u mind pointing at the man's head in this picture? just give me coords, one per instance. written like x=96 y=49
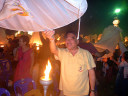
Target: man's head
x=71 y=41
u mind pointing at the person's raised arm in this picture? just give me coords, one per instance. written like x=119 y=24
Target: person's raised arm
x=53 y=47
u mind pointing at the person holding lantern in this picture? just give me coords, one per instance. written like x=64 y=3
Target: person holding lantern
x=77 y=66
x=91 y=48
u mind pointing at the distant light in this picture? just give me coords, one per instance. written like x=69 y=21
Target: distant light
x=30 y=32
x=2 y=46
x=117 y=10
x=17 y=33
x=37 y=48
x=116 y=22
x=58 y=38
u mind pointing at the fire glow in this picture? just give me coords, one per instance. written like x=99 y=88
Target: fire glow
x=47 y=72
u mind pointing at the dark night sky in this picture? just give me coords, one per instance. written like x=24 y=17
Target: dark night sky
x=100 y=14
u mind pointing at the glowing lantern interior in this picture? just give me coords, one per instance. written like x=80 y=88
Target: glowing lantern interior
x=35 y=39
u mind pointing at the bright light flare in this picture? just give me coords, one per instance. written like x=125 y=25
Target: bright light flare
x=2 y=46
x=30 y=32
x=37 y=48
x=58 y=38
x=117 y=10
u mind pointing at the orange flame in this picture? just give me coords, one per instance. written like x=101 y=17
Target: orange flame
x=47 y=71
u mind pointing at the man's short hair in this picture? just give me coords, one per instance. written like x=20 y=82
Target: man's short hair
x=72 y=32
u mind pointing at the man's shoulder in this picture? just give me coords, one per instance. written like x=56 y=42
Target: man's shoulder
x=84 y=50
x=62 y=49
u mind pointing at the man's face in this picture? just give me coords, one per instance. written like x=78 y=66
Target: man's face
x=71 y=41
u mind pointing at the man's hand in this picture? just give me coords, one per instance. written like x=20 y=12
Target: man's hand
x=92 y=93
x=49 y=34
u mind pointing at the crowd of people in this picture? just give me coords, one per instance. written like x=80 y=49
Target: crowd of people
x=75 y=68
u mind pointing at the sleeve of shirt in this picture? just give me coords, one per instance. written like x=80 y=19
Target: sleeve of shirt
x=60 y=52
x=91 y=64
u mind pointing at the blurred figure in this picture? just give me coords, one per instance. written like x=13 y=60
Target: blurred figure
x=15 y=46
x=35 y=71
x=90 y=47
x=5 y=69
x=122 y=76
x=25 y=58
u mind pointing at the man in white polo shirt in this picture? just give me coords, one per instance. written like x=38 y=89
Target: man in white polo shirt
x=77 y=66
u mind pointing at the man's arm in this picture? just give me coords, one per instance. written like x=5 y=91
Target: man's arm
x=92 y=80
x=53 y=47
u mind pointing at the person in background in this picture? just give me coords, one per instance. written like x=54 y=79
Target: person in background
x=77 y=66
x=15 y=46
x=25 y=58
x=5 y=70
x=121 y=87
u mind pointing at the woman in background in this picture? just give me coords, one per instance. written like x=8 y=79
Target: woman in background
x=25 y=58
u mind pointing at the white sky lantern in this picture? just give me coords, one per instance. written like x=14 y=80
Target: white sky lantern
x=34 y=16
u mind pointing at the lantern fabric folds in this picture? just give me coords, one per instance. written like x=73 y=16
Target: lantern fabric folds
x=39 y=15
x=110 y=38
